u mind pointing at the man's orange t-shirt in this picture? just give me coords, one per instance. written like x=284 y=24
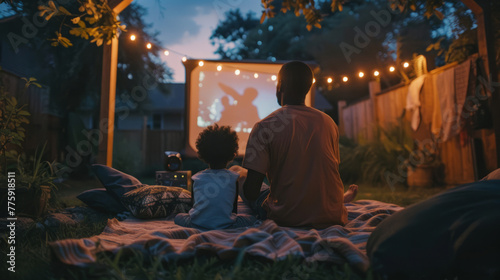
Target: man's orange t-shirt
x=297 y=147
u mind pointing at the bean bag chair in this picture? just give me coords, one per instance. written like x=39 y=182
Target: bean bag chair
x=453 y=235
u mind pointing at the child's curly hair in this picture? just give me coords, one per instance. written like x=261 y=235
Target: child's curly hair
x=217 y=145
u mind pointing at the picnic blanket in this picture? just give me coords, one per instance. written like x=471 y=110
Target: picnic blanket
x=161 y=237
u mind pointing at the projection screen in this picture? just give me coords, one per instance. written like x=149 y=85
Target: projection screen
x=238 y=94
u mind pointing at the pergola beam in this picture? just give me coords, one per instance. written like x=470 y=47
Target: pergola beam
x=108 y=92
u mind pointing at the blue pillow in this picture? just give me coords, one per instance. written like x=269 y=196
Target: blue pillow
x=116 y=182
x=453 y=235
x=101 y=200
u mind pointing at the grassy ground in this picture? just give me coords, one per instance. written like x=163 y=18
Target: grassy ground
x=34 y=259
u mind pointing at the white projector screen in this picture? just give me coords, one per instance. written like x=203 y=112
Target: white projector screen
x=216 y=94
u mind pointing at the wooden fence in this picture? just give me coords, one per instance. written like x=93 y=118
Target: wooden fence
x=152 y=143
x=461 y=156
x=43 y=127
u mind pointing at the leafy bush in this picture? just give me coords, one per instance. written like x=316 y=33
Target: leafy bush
x=371 y=161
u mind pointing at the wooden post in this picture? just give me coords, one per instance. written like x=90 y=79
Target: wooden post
x=144 y=138
x=108 y=91
x=374 y=88
x=486 y=46
x=341 y=104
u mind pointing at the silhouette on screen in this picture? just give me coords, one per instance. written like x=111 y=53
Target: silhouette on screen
x=242 y=113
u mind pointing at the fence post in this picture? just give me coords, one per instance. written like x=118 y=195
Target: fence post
x=374 y=87
x=341 y=104
x=144 y=138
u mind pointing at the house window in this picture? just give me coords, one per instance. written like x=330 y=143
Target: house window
x=156 y=121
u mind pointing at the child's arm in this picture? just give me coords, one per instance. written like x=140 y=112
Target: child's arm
x=235 y=205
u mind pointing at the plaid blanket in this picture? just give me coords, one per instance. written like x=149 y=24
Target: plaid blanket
x=163 y=238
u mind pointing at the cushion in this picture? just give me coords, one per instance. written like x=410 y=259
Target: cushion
x=494 y=175
x=453 y=235
x=101 y=200
x=150 y=202
x=116 y=182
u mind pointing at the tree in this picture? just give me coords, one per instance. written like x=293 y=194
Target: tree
x=73 y=72
x=231 y=33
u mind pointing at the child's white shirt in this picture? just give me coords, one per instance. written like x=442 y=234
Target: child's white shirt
x=214 y=193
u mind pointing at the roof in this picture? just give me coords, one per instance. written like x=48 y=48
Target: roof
x=172 y=101
x=321 y=103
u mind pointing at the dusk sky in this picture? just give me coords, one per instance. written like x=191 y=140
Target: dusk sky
x=186 y=26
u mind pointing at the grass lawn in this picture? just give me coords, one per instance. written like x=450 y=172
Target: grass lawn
x=33 y=257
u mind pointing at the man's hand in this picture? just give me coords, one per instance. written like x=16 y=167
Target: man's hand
x=252 y=185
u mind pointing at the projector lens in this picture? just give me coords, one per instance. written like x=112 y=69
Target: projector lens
x=173 y=161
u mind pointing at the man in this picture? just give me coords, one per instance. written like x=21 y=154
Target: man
x=297 y=147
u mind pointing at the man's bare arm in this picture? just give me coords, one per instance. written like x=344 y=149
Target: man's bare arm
x=253 y=182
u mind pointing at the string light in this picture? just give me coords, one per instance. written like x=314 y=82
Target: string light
x=329 y=80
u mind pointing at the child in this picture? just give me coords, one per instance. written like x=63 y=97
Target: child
x=215 y=189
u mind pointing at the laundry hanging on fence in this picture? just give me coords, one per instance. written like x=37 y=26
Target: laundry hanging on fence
x=445 y=89
x=462 y=74
x=413 y=101
x=450 y=91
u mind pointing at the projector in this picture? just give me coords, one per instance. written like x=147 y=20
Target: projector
x=173 y=161
x=172 y=176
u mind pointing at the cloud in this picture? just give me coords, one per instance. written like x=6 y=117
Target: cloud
x=176 y=19
x=186 y=26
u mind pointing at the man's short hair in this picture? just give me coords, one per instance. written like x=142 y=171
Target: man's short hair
x=296 y=77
